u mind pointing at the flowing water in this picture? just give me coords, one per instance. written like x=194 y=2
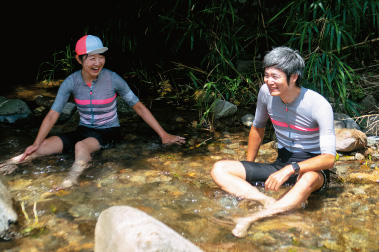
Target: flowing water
x=173 y=184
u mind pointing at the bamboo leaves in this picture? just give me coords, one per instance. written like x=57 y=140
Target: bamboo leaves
x=324 y=31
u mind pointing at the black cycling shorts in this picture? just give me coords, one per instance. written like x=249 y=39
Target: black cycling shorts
x=258 y=173
x=106 y=137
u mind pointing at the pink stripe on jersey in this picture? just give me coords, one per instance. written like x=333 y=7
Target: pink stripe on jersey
x=282 y=124
x=303 y=128
x=97 y=102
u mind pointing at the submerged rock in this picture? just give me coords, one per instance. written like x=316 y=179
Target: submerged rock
x=7 y=214
x=371 y=177
x=124 y=228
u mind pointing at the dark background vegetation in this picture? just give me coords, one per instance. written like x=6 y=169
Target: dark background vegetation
x=199 y=44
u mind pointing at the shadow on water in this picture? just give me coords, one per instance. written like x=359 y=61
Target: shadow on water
x=173 y=184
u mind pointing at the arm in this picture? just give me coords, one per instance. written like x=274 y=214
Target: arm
x=255 y=139
x=258 y=129
x=45 y=128
x=146 y=115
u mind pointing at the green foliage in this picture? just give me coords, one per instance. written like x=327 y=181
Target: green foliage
x=61 y=63
x=210 y=38
x=215 y=31
x=214 y=23
x=327 y=32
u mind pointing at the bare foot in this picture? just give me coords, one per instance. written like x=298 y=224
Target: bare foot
x=242 y=225
x=66 y=184
x=72 y=179
x=254 y=194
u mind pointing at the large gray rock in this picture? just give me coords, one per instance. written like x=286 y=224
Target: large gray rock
x=12 y=110
x=348 y=140
x=342 y=121
x=124 y=228
x=7 y=214
x=224 y=109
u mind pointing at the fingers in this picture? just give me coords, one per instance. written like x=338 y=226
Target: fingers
x=180 y=140
x=273 y=183
x=276 y=180
x=23 y=157
x=171 y=139
x=28 y=151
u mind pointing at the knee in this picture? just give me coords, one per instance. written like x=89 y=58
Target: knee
x=219 y=172
x=217 y=169
x=80 y=147
x=44 y=146
x=311 y=181
x=49 y=146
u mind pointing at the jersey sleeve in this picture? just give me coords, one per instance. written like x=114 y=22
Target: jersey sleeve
x=325 y=119
x=124 y=90
x=63 y=94
x=261 y=113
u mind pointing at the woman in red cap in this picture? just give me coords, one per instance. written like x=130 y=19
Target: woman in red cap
x=94 y=89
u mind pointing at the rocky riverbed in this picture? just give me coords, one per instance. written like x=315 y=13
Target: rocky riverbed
x=173 y=184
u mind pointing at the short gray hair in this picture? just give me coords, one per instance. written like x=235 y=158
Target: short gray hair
x=287 y=60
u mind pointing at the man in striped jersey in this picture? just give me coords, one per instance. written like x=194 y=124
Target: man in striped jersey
x=95 y=90
x=303 y=123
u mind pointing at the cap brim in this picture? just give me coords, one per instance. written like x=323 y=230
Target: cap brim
x=98 y=51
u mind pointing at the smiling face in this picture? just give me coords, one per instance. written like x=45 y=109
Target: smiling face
x=92 y=65
x=277 y=83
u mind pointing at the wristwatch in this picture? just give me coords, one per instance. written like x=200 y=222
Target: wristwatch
x=296 y=167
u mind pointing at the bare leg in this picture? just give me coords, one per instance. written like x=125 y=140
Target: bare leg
x=83 y=151
x=294 y=198
x=231 y=177
x=49 y=146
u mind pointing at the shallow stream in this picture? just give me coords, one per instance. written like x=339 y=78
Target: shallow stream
x=173 y=184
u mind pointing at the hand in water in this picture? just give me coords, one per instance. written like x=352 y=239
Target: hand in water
x=171 y=139
x=29 y=151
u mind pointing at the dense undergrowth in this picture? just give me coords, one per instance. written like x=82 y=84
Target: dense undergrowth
x=215 y=47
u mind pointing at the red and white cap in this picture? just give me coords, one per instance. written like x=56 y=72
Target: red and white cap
x=89 y=44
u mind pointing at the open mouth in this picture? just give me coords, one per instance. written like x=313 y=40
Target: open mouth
x=273 y=89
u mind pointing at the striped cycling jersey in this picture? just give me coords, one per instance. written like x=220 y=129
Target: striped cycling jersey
x=304 y=125
x=96 y=103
